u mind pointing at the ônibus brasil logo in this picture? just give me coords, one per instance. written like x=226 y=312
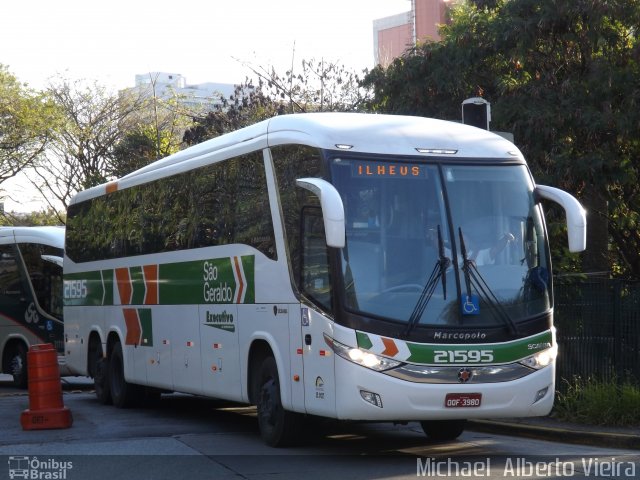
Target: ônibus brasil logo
x=38 y=468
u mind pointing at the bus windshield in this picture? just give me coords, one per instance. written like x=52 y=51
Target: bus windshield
x=440 y=245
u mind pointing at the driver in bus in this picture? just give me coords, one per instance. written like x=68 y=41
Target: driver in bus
x=487 y=256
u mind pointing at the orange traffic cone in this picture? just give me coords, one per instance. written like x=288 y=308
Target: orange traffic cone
x=46 y=410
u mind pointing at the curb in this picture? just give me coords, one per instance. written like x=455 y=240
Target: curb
x=580 y=437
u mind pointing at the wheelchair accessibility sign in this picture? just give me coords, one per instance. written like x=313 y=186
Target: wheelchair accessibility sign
x=470 y=304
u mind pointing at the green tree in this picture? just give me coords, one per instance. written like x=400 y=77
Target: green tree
x=140 y=146
x=317 y=86
x=80 y=154
x=564 y=77
x=28 y=121
x=156 y=128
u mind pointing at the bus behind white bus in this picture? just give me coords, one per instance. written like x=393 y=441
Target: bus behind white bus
x=350 y=266
x=30 y=295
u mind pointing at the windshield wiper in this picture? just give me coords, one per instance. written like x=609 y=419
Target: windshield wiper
x=472 y=275
x=439 y=273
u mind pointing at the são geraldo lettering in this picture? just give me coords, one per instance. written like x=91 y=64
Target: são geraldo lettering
x=212 y=292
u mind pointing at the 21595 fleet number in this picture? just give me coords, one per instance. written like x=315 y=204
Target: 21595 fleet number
x=463 y=356
x=75 y=289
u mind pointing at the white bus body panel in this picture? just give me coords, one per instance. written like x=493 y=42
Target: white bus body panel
x=404 y=400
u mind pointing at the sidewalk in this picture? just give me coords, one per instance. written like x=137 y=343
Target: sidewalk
x=548 y=428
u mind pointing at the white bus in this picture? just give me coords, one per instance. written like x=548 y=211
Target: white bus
x=30 y=295
x=350 y=266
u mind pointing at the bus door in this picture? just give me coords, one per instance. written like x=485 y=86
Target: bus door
x=16 y=303
x=39 y=314
x=318 y=358
x=44 y=274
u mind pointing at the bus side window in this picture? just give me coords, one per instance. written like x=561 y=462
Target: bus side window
x=46 y=278
x=315 y=261
x=10 y=281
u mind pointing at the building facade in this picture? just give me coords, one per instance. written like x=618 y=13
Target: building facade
x=393 y=35
x=173 y=85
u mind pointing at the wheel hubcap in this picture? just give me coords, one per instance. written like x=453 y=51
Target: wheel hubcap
x=17 y=366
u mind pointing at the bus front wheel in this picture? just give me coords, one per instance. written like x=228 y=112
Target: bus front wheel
x=278 y=427
x=18 y=365
x=443 y=430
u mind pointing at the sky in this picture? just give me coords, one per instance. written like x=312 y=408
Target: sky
x=205 y=41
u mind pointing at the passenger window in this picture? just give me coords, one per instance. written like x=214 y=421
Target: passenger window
x=11 y=288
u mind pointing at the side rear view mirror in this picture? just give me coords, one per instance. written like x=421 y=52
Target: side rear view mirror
x=332 y=209
x=576 y=215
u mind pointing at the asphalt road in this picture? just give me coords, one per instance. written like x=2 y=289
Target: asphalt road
x=189 y=437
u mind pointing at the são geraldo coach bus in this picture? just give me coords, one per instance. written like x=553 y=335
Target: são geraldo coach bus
x=351 y=266
x=30 y=295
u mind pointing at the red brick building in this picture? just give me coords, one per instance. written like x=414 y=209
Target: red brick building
x=393 y=35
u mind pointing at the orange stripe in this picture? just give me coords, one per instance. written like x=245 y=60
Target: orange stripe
x=134 y=332
x=112 y=187
x=239 y=275
x=390 y=347
x=124 y=285
x=151 y=282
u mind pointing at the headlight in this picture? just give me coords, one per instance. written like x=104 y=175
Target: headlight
x=361 y=357
x=541 y=359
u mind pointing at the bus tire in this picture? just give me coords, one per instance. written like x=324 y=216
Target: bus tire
x=443 y=430
x=101 y=380
x=123 y=393
x=18 y=365
x=278 y=427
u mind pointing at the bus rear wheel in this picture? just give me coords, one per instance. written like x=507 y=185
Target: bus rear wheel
x=98 y=369
x=123 y=393
x=101 y=381
x=278 y=427
x=443 y=430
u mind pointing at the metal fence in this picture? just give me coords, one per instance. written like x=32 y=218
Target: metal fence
x=598 y=325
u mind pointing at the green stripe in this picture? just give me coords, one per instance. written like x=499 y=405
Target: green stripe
x=507 y=352
x=364 y=341
x=83 y=289
x=107 y=279
x=185 y=283
x=248 y=264
x=472 y=354
x=147 y=327
x=137 y=283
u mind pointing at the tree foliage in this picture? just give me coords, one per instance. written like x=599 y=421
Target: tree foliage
x=79 y=156
x=104 y=135
x=317 y=86
x=155 y=128
x=45 y=217
x=140 y=146
x=564 y=77
x=28 y=121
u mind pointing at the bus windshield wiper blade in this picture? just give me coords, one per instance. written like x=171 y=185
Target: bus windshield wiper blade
x=472 y=276
x=438 y=273
x=443 y=262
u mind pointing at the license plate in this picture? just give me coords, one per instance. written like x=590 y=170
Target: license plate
x=462 y=400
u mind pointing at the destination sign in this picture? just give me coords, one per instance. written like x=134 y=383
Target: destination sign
x=385 y=169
